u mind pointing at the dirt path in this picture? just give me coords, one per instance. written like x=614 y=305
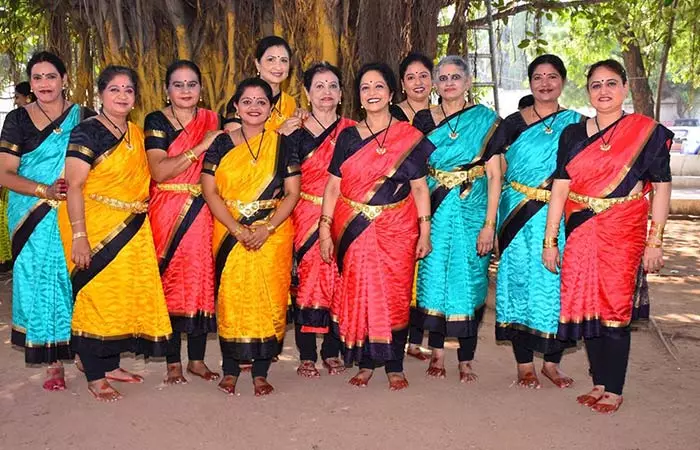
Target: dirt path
x=660 y=410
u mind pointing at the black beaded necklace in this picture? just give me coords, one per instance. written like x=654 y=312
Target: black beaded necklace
x=381 y=149
x=125 y=134
x=547 y=128
x=255 y=156
x=56 y=128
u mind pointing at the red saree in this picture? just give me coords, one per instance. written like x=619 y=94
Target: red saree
x=182 y=232
x=605 y=243
x=376 y=254
x=316 y=279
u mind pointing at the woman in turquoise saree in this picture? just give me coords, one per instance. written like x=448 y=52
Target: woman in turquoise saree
x=32 y=153
x=465 y=183
x=527 y=294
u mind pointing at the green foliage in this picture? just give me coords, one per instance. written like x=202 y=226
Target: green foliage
x=21 y=25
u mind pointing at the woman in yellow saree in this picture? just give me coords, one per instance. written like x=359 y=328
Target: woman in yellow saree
x=251 y=185
x=119 y=302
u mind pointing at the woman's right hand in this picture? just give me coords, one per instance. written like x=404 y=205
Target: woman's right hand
x=326 y=246
x=57 y=191
x=80 y=253
x=551 y=259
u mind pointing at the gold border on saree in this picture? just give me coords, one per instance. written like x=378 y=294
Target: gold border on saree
x=599 y=205
x=249 y=209
x=451 y=179
x=14 y=148
x=316 y=200
x=537 y=194
x=132 y=207
x=194 y=190
x=371 y=212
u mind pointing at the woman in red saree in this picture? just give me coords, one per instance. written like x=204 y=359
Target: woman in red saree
x=376 y=209
x=314 y=280
x=606 y=166
x=176 y=138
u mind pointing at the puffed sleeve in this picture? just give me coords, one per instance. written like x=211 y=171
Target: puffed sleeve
x=505 y=134
x=11 y=139
x=86 y=113
x=565 y=145
x=81 y=143
x=423 y=120
x=291 y=156
x=657 y=156
x=221 y=145
x=339 y=153
x=155 y=132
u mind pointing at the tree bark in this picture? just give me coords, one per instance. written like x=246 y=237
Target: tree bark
x=664 y=60
x=642 y=96
x=458 y=28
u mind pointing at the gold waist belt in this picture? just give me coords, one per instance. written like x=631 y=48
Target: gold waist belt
x=371 y=212
x=312 y=198
x=451 y=179
x=540 y=195
x=132 y=207
x=248 y=210
x=193 y=189
x=598 y=205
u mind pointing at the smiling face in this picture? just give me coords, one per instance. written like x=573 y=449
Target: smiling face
x=452 y=82
x=119 y=96
x=416 y=82
x=374 y=92
x=274 y=65
x=46 y=82
x=253 y=107
x=606 y=90
x=546 y=83
x=325 y=91
x=184 y=89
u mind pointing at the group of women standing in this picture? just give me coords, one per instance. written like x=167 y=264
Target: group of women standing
x=201 y=224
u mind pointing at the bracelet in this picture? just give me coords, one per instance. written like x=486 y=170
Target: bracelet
x=40 y=190
x=270 y=228
x=325 y=219
x=653 y=245
x=79 y=234
x=656 y=230
x=78 y=221
x=550 y=242
x=427 y=218
x=189 y=154
x=488 y=223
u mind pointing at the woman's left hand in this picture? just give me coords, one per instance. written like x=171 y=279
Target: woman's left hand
x=484 y=243
x=653 y=259
x=259 y=235
x=423 y=247
x=302 y=114
x=290 y=126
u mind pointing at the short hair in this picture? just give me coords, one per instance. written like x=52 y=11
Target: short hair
x=383 y=69
x=111 y=71
x=458 y=61
x=610 y=64
x=182 y=64
x=414 y=57
x=271 y=41
x=554 y=60
x=525 y=101
x=321 y=67
x=23 y=88
x=248 y=83
x=48 y=57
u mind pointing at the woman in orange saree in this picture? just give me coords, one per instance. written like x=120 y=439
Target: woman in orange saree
x=176 y=138
x=605 y=168
x=376 y=213
x=313 y=281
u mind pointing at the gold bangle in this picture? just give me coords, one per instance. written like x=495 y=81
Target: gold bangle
x=656 y=231
x=427 y=218
x=78 y=221
x=653 y=245
x=79 y=234
x=550 y=242
x=189 y=154
x=40 y=190
x=270 y=228
x=488 y=223
x=325 y=219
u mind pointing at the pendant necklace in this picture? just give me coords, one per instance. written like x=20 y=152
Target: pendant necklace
x=325 y=127
x=172 y=111
x=126 y=135
x=547 y=128
x=453 y=131
x=57 y=129
x=381 y=149
x=605 y=146
x=255 y=156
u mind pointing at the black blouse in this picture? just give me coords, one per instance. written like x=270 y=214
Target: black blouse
x=90 y=139
x=160 y=132
x=398 y=113
x=21 y=136
x=302 y=142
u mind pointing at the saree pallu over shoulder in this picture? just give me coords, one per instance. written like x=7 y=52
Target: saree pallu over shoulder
x=119 y=301
x=281 y=111
x=182 y=232
x=314 y=282
x=452 y=280
x=252 y=287
x=375 y=229
x=527 y=294
x=606 y=232
x=41 y=291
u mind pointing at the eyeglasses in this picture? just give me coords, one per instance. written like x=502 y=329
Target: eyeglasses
x=181 y=86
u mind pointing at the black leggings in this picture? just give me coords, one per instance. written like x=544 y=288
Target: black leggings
x=196 y=346
x=608 y=357
x=523 y=355
x=467 y=345
x=261 y=367
x=306 y=343
x=398 y=344
x=96 y=367
x=415 y=335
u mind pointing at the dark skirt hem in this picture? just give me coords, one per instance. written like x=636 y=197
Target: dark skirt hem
x=201 y=323
x=468 y=327
x=104 y=348
x=44 y=354
x=379 y=352
x=312 y=317
x=247 y=351
x=589 y=329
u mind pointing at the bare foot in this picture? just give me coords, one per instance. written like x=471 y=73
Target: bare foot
x=227 y=384
x=307 y=369
x=556 y=376
x=124 y=376
x=591 y=397
x=55 y=379
x=527 y=378
x=418 y=352
x=397 y=381
x=335 y=366
x=466 y=374
x=103 y=391
x=361 y=378
x=199 y=369
x=262 y=387
x=436 y=369
x=174 y=375
x=608 y=403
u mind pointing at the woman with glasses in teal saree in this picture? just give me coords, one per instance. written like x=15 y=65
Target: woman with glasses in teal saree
x=465 y=184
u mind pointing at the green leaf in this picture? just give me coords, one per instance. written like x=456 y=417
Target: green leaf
x=549 y=15
x=542 y=42
x=524 y=43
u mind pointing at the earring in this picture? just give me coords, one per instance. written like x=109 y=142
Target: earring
x=167 y=100
x=362 y=106
x=391 y=102
x=340 y=102
x=258 y=74
x=403 y=91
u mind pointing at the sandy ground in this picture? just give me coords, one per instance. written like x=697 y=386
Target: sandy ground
x=660 y=409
